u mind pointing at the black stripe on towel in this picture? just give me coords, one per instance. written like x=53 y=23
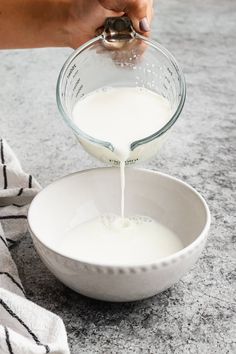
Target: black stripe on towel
x=13 y=281
x=20 y=192
x=5 y=176
x=11 y=241
x=33 y=335
x=30 y=181
x=8 y=341
x=2 y=153
x=6 y=217
x=4 y=241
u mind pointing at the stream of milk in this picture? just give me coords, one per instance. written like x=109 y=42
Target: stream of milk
x=121 y=116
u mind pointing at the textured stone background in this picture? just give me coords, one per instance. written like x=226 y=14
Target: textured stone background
x=197 y=315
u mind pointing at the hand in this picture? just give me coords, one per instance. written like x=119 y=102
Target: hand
x=86 y=16
x=63 y=23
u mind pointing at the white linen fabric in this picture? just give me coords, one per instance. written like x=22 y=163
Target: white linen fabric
x=25 y=327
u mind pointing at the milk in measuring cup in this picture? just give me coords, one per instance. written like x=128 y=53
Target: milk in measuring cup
x=121 y=116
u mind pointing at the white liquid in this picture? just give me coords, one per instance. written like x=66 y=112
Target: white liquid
x=110 y=240
x=121 y=116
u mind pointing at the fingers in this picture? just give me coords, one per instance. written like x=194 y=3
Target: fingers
x=139 y=11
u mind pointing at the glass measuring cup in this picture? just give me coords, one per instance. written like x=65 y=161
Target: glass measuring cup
x=120 y=57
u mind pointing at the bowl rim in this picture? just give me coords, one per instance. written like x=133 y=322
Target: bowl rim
x=163 y=260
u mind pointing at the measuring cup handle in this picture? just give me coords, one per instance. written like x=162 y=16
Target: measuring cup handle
x=118 y=29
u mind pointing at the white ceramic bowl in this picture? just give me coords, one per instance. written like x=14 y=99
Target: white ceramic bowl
x=172 y=202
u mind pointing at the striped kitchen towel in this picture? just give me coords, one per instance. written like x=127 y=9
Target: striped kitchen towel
x=25 y=328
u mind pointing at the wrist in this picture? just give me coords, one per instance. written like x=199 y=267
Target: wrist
x=54 y=24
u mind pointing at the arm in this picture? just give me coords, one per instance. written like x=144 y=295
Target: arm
x=33 y=23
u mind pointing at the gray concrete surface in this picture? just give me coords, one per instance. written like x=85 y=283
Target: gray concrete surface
x=197 y=315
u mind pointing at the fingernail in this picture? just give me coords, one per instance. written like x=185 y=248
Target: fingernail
x=144 y=25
